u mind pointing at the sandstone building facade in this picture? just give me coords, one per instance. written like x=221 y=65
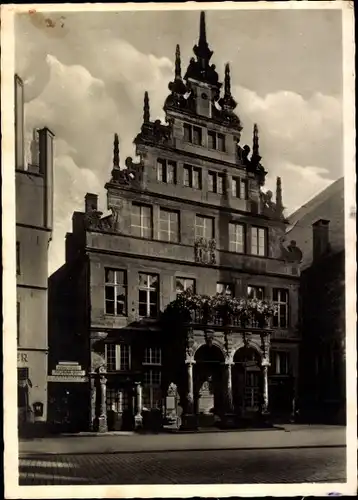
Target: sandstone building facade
x=189 y=215
x=34 y=216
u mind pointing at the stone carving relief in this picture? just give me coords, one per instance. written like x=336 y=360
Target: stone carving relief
x=172 y=390
x=97 y=361
x=205 y=251
x=111 y=223
x=280 y=249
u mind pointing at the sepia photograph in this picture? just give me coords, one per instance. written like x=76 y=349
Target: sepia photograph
x=179 y=249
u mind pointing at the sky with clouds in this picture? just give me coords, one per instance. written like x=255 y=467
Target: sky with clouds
x=85 y=75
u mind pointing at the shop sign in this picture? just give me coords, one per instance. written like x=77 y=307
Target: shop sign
x=67 y=372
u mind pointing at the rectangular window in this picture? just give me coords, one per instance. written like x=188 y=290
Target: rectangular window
x=196 y=178
x=221 y=184
x=239 y=188
x=212 y=182
x=221 y=142
x=225 y=289
x=280 y=298
x=115 y=292
x=152 y=356
x=255 y=292
x=142 y=224
x=280 y=362
x=184 y=285
x=187 y=176
x=258 y=241
x=197 y=136
x=188 y=133
x=152 y=377
x=169 y=225
x=18 y=322
x=211 y=140
x=243 y=189
x=118 y=357
x=216 y=182
x=152 y=394
x=204 y=227
x=166 y=171
x=110 y=356
x=18 y=267
x=148 y=295
x=192 y=177
x=236 y=237
x=117 y=400
x=216 y=141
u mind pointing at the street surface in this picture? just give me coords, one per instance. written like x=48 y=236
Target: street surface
x=296 y=454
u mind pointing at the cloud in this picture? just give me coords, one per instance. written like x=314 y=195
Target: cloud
x=82 y=111
x=300 y=140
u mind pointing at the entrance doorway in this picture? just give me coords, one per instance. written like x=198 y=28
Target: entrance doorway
x=209 y=392
x=246 y=380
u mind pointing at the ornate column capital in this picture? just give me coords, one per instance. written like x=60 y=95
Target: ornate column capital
x=190 y=361
x=265 y=363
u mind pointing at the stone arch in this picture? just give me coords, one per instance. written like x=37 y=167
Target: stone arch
x=208 y=380
x=214 y=343
x=247 y=377
x=239 y=345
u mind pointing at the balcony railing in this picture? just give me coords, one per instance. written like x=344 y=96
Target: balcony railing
x=200 y=317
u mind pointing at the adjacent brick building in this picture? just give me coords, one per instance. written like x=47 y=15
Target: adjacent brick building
x=191 y=214
x=34 y=216
x=319 y=229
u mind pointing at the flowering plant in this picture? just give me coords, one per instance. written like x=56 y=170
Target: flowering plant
x=188 y=306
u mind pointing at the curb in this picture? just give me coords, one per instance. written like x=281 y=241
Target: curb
x=185 y=450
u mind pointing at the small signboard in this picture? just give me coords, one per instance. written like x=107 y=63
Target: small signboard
x=68 y=371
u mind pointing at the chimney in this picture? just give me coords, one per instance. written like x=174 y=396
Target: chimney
x=320 y=238
x=46 y=169
x=91 y=202
x=19 y=124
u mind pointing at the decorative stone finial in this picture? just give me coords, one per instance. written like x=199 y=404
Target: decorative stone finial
x=146 y=109
x=177 y=63
x=228 y=103
x=279 y=204
x=227 y=80
x=116 y=152
x=202 y=51
x=255 y=142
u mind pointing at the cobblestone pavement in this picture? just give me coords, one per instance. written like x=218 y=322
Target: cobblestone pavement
x=290 y=465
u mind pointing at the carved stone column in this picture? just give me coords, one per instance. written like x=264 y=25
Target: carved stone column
x=228 y=366
x=190 y=397
x=229 y=420
x=138 y=419
x=188 y=418
x=265 y=394
x=92 y=423
x=102 y=419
